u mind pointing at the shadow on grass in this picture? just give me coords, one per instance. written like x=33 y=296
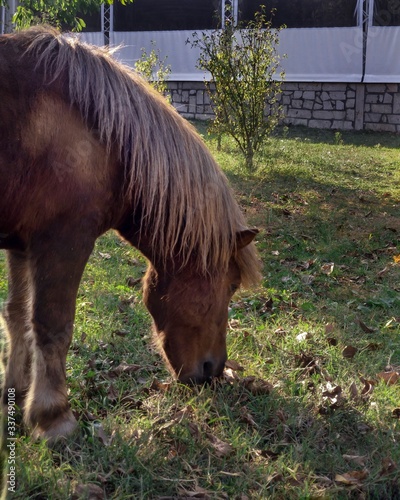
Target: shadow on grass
x=324 y=136
x=268 y=446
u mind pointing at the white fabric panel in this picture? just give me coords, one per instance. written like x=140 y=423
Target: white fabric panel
x=313 y=55
x=94 y=37
x=383 y=54
x=171 y=44
x=322 y=54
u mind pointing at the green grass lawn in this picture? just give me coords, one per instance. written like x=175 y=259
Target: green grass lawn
x=309 y=407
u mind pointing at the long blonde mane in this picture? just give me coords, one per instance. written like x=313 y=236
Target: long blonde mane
x=184 y=197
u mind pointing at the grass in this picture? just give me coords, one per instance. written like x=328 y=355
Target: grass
x=310 y=414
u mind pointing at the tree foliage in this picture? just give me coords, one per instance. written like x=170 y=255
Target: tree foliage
x=56 y=12
x=154 y=70
x=243 y=62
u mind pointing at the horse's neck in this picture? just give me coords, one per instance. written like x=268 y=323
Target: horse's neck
x=130 y=229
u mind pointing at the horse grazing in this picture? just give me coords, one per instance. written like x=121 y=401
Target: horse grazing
x=86 y=146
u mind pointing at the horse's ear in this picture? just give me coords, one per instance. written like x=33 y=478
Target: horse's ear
x=245 y=237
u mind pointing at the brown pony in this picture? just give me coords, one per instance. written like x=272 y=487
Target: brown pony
x=85 y=146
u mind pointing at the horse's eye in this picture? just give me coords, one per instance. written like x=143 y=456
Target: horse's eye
x=234 y=287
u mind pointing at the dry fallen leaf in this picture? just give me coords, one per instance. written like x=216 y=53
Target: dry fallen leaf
x=221 y=448
x=363 y=428
x=389 y=377
x=280 y=332
x=177 y=449
x=274 y=478
x=132 y=282
x=230 y=375
x=396 y=413
x=257 y=386
x=181 y=414
x=323 y=480
x=368 y=388
x=271 y=455
x=326 y=376
x=112 y=393
x=327 y=268
x=124 y=368
x=196 y=493
x=364 y=327
x=245 y=416
x=332 y=391
x=388 y=466
x=89 y=491
x=121 y=333
x=233 y=365
x=332 y=396
x=352 y=478
x=382 y=272
x=332 y=341
x=309 y=363
x=349 y=351
x=329 y=328
x=105 y=255
x=100 y=433
x=234 y=323
x=156 y=385
x=307 y=279
x=358 y=459
x=194 y=430
x=268 y=305
x=353 y=391
x=372 y=346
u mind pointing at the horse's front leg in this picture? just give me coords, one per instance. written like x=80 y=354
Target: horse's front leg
x=56 y=268
x=17 y=315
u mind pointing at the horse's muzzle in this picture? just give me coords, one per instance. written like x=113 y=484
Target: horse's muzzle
x=207 y=370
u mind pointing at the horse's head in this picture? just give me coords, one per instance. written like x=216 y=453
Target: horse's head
x=190 y=313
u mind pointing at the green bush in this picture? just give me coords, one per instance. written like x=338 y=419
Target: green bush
x=244 y=92
x=154 y=70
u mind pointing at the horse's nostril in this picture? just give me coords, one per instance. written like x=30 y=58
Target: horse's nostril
x=207 y=370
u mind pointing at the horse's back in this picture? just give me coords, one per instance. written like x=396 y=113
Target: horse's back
x=50 y=162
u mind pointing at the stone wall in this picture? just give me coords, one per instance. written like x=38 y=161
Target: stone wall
x=341 y=106
x=191 y=100
x=320 y=105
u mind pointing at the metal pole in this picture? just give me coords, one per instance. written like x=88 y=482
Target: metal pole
x=2 y=19
x=106 y=22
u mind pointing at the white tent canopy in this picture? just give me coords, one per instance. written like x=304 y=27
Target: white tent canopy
x=321 y=54
x=367 y=51
x=382 y=61
x=383 y=55
x=315 y=54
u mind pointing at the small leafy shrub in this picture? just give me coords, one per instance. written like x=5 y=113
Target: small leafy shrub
x=154 y=70
x=244 y=90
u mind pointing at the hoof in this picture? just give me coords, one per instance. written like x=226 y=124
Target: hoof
x=60 y=428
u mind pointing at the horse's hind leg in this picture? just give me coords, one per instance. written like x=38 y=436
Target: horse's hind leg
x=17 y=315
x=57 y=264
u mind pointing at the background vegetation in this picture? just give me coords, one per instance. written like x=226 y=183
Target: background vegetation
x=243 y=61
x=56 y=12
x=154 y=69
x=309 y=406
